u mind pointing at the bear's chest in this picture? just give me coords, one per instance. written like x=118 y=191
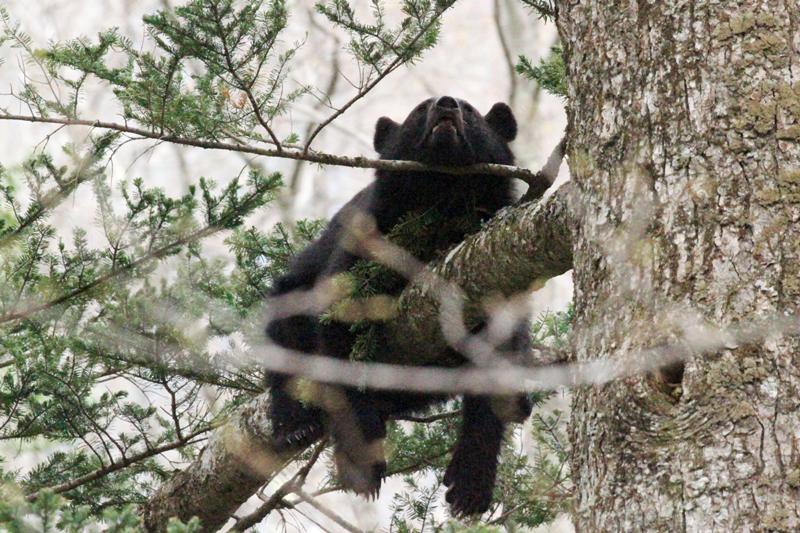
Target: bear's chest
x=453 y=203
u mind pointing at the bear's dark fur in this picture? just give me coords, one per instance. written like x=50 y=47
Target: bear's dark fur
x=439 y=131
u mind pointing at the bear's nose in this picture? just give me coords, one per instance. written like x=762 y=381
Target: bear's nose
x=447 y=102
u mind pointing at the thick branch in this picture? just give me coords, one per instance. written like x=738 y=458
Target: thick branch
x=520 y=249
x=533 y=179
x=236 y=462
x=525 y=243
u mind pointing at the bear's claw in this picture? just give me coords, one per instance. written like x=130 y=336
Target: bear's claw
x=297 y=438
x=361 y=477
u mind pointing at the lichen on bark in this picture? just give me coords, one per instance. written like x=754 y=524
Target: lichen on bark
x=683 y=118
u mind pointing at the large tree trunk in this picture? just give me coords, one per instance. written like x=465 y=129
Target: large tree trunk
x=684 y=121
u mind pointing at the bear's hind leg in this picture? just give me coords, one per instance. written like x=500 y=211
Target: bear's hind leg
x=470 y=476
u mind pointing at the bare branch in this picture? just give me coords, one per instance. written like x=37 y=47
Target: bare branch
x=501 y=36
x=276 y=500
x=548 y=174
x=322 y=158
x=310 y=500
x=323 y=99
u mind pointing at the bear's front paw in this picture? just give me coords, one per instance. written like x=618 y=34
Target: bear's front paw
x=470 y=485
x=297 y=438
x=363 y=472
x=296 y=429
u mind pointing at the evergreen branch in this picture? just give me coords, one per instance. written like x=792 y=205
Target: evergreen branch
x=246 y=87
x=533 y=179
x=546 y=9
x=398 y=61
x=49 y=200
x=209 y=377
x=124 y=462
x=156 y=253
x=550 y=74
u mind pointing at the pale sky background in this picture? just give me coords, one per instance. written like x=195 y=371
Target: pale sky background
x=468 y=63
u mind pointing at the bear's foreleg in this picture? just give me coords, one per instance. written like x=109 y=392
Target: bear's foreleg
x=294 y=426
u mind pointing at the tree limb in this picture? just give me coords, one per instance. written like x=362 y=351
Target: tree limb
x=520 y=249
x=276 y=500
x=533 y=179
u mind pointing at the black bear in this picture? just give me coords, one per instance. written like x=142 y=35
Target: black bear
x=439 y=131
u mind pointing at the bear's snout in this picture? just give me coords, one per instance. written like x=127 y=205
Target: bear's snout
x=445 y=121
x=447 y=102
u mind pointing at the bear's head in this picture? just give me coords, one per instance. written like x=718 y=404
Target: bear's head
x=448 y=131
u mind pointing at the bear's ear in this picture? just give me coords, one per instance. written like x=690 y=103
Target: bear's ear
x=383 y=130
x=502 y=120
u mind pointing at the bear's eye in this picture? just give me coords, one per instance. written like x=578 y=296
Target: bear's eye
x=421 y=106
x=468 y=108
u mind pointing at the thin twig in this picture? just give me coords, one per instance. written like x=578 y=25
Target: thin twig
x=276 y=500
x=307 y=498
x=399 y=60
x=324 y=98
x=512 y=73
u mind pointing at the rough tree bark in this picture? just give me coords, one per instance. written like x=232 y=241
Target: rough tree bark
x=685 y=122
